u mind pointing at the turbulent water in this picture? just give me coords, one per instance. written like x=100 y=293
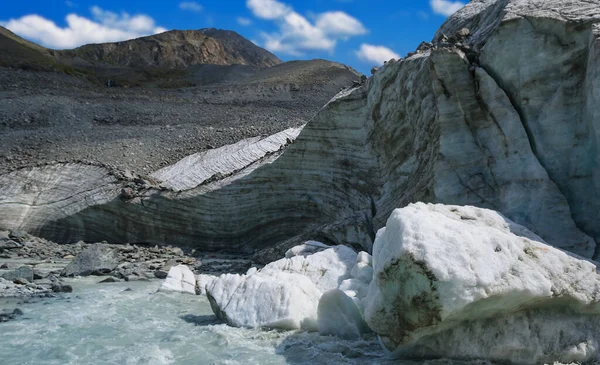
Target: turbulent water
x=104 y=324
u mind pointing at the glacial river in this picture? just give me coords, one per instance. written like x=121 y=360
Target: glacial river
x=105 y=324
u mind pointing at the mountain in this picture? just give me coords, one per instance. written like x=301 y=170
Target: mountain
x=18 y=52
x=175 y=49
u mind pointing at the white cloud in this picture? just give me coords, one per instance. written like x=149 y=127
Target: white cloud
x=105 y=26
x=445 y=7
x=339 y=23
x=297 y=34
x=190 y=6
x=375 y=54
x=268 y=9
x=244 y=21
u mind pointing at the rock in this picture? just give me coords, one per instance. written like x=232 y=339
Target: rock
x=37 y=275
x=17 y=312
x=424 y=46
x=10 y=289
x=9 y=245
x=24 y=272
x=20 y=281
x=275 y=300
x=462 y=33
x=452 y=281
x=18 y=236
x=68 y=257
x=110 y=279
x=180 y=279
x=62 y=288
x=374 y=70
x=159 y=274
x=202 y=281
x=95 y=260
x=339 y=316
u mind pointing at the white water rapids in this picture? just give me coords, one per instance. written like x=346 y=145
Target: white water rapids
x=104 y=324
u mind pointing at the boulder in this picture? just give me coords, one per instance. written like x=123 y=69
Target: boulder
x=10 y=289
x=180 y=279
x=24 y=272
x=9 y=244
x=278 y=299
x=95 y=260
x=453 y=281
x=160 y=274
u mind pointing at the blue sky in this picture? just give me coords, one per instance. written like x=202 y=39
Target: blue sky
x=359 y=33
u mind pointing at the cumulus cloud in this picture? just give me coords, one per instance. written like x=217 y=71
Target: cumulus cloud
x=375 y=54
x=105 y=26
x=445 y=7
x=244 y=21
x=339 y=23
x=190 y=6
x=297 y=34
x=268 y=9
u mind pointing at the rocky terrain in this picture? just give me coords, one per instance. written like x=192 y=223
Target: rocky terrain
x=450 y=200
x=438 y=126
x=31 y=265
x=172 y=49
x=154 y=113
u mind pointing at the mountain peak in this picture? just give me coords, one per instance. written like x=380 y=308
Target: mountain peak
x=177 y=48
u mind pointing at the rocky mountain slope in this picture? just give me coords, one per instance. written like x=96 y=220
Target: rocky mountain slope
x=159 y=108
x=502 y=116
x=175 y=49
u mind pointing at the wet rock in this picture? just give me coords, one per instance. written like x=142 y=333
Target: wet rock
x=24 y=272
x=62 y=288
x=20 y=281
x=110 y=279
x=96 y=260
x=159 y=274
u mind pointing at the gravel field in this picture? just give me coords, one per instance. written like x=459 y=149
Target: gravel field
x=47 y=117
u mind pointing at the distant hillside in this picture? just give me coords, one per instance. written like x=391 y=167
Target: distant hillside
x=175 y=59
x=17 y=52
x=176 y=49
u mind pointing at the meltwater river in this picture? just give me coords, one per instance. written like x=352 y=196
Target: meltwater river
x=108 y=324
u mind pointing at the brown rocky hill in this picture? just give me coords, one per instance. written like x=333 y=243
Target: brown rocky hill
x=175 y=49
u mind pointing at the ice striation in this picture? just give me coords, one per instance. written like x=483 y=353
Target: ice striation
x=505 y=119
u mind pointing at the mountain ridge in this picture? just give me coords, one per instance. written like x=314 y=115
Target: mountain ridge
x=175 y=49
